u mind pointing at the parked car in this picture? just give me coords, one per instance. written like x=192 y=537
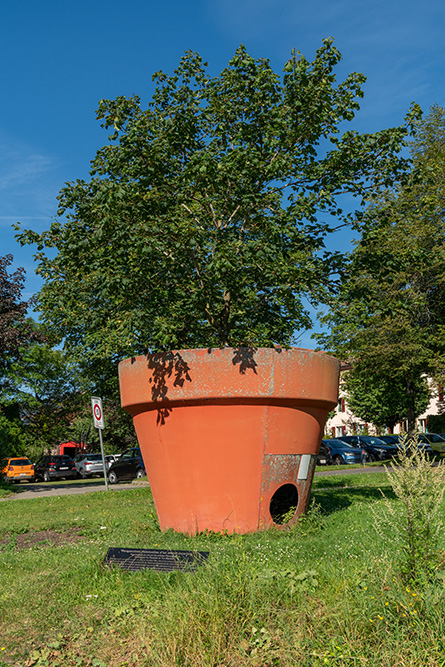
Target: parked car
x=324 y=456
x=343 y=452
x=129 y=466
x=17 y=469
x=394 y=439
x=55 y=466
x=436 y=441
x=88 y=465
x=390 y=439
x=376 y=449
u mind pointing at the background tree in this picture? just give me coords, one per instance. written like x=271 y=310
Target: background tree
x=48 y=400
x=44 y=394
x=44 y=387
x=12 y=436
x=16 y=330
x=388 y=318
x=204 y=221
x=382 y=400
x=436 y=423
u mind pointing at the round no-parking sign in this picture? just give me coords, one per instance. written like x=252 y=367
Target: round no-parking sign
x=98 y=416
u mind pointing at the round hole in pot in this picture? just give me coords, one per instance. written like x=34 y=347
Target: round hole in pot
x=283 y=504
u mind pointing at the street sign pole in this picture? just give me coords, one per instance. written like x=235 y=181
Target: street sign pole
x=98 y=416
x=103 y=458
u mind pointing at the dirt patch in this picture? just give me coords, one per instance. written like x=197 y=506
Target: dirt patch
x=41 y=537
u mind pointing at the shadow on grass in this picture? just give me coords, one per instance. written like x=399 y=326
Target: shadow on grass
x=332 y=498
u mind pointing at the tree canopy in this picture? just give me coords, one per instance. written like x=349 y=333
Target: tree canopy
x=389 y=315
x=204 y=221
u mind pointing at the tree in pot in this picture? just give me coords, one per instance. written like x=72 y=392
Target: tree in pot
x=204 y=221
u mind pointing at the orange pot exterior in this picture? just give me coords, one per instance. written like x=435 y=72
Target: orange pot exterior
x=229 y=437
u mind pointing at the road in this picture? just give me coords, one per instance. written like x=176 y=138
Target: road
x=48 y=490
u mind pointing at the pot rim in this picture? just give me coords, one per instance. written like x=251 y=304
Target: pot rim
x=206 y=375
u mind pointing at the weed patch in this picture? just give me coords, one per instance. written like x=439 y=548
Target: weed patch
x=415 y=521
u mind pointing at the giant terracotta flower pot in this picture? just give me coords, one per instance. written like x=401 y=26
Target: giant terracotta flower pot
x=229 y=436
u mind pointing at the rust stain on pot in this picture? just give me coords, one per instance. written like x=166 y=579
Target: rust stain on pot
x=280 y=475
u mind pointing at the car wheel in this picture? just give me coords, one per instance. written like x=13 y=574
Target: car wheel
x=83 y=474
x=371 y=457
x=112 y=477
x=46 y=476
x=337 y=460
x=140 y=473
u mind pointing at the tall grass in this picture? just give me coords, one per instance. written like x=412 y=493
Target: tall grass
x=327 y=592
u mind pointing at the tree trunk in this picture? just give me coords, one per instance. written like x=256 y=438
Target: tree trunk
x=411 y=412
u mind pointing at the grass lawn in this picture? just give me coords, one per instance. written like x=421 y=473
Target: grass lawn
x=327 y=592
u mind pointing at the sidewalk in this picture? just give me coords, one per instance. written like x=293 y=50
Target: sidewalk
x=47 y=491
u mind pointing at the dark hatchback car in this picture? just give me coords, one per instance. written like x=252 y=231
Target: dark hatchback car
x=342 y=452
x=55 y=466
x=129 y=466
x=324 y=456
x=376 y=449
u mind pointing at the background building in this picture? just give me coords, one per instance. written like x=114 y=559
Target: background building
x=344 y=422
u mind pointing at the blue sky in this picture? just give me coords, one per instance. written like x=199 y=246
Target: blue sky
x=59 y=58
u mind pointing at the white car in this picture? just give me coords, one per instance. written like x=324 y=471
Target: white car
x=111 y=458
x=88 y=465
